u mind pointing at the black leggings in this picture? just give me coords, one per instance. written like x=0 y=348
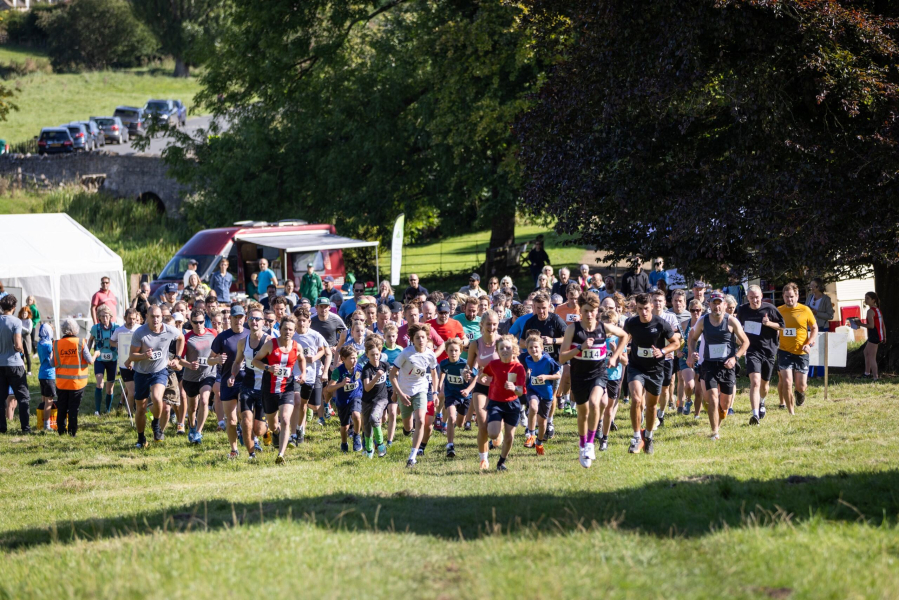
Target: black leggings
x=67 y=404
x=27 y=347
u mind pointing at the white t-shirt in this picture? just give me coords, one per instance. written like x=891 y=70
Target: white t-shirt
x=414 y=370
x=311 y=342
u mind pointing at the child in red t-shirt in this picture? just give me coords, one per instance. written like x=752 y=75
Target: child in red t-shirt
x=507 y=383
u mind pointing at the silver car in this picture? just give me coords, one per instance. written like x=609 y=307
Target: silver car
x=113 y=129
x=81 y=137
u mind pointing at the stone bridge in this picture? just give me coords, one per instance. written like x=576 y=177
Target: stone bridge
x=141 y=177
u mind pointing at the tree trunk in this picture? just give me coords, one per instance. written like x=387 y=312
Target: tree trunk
x=182 y=69
x=502 y=230
x=886 y=284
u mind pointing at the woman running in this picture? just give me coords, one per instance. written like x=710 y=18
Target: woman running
x=614 y=377
x=876 y=334
x=585 y=346
x=479 y=387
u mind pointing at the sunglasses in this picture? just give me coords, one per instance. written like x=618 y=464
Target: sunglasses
x=269 y=320
x=255 y=319
x=198 y=322
x=105 y=282
x=695 y=310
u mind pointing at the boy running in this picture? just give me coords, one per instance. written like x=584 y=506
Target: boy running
x=542 y=370
x=374 y=397
x=346 y=386
x=409 y=376
x=454 y=377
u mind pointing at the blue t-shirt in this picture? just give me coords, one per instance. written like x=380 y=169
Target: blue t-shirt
x=613 y=374
x=390 y=354
x=517 y=328
x=221 y=285
x=545 y=366
x=353 y=390
x=454 y=382
x=347 y=308
x=45 y=353
x=228 y=342
x=264 y=279
x=102 y=338
x=656 y=276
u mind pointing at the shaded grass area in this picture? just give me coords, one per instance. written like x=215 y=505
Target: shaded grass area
x=787 y=508
x=14 y=53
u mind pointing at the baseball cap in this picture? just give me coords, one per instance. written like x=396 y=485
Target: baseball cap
x=304 y=301
x=171 y=287
x=178 y=317
x=698 y=284
x=192 y=261
x=310 y=265
x=322 y=301
x=328 y=278
x=716 y=296
x=475 y=276
x=237 y=310
x=443 y=306
x=396 y=307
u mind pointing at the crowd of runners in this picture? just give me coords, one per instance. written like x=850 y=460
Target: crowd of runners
x=272 y=369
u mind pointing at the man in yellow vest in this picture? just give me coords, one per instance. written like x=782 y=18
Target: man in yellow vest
x=72 y=360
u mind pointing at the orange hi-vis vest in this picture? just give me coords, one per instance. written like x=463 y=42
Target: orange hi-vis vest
x=71 y=368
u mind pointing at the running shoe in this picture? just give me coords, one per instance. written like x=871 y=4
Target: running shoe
x=252 y=457
x=714 y=437
x=410 y=463
x=276 y=439
x=222 y=425
x=357 y=442
x=661 y=418
x=158 y=436
x=613 y=427
x=568 y=411
x=198 y=438
x=603 y=443
x=321 y=421
x=590 y=451
x=180 y=430
x=421 y=452
x=344 y=447
x=438 y=423
x=257 y=447
x=523 y=420
x=467 y=426
x=722 y=415
x=670 y=405
x=233 y=454
x=96 y=414
x=389 y=443
x=540 y=450
x=782 y=406
x=584 y=459
x=485 y=464
x=141 y=442
x=267 y=438
x=370 y=453
x=530 y=441
x=753 y=420
x=501 y=468
x=191 y=435
x=636 y=445
x=490 y=445
x=800 y=398
x=695 y=417
x=688 y=407
x=450 y=450
x=762 y=410
x=382 y=450
x=730 y=412
x=647 y=444
x=550 y=431
x=292 y=442
x=301 y=436
x=625 y=400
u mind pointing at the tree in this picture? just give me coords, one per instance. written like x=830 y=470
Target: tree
x=183 y=27
x=746 y=134
x=354 y=112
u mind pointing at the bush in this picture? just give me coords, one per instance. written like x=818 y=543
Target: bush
x=23 y=27
x=95 y=34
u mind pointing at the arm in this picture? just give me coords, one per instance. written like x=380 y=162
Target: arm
x=94 y=312
x=621 y=346
x=441 y=383
x=326 y=362
x=674 y=343
x=693 y=339
x=566 y=352
x=434 y=379
x=394 y=371
x=235 y=368
x=263 y=352
x=869 y=320
x=813 y=336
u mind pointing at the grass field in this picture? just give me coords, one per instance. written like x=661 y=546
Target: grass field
x=801 y=507
x=12 y=53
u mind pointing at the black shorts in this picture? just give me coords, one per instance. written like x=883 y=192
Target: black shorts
x=508 y=412
x=229 y=394
x=48 y=388
x=652 y=382
x=668 y=372
x=345 y=411
x=480 y=388
x=251 y=401
x=580 y=391
x=106 y=368
x=543 y=406
x=391 y=396
x=312 y=393
x=192 y=388
x=717 y=376
x=613 y=388
x=272 y=401
x=461 y=404
x=180 y=375
x=874 y=336
x=127 y=374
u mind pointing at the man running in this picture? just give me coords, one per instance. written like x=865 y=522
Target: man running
x=651 y=339
x=800 y=331
x=762 y=324
x=333 y=329
x=225 y=347
x=199 y=373
x=719 y=331
x=569 y=313
x=680 y=312
x=149 y=354
x=471 y=323
x=315 y=348
x=667 y=397
x=252 y=411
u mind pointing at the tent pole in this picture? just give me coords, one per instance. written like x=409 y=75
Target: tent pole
x=377 y=270
x=56 y=307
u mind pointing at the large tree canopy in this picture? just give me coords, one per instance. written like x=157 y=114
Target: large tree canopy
x=354 y=112
x=750 y=133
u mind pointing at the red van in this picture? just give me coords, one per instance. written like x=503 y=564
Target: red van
x=289 y=245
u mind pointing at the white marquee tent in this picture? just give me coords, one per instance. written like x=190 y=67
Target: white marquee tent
x=60 y=263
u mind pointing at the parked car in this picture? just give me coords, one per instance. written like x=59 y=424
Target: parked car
x=113 y=129
x=55 y=140
x=97 y=137
x=166 y=112
x=81 y=137
x=133 y=118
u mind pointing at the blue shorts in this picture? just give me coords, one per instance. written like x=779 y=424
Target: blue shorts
x=461 y=404
x=509 y=412
x=144 y=381
x=107 y=367
x=230 y=394
x=787 y=361
x=345 y=411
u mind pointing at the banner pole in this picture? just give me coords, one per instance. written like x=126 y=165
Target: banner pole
x=826 y=366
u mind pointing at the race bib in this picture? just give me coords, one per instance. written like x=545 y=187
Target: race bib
x=382 y=379
x=351 y=386
x=536 y=381
x=156 y=355
x=282 y=372
x=593 y=353
x=571 y=318
x=308 y=352
x=717 y=351
x=470 y=335
x=106 y=356
x=789 y=331
x=548 y=349
x=455 y=379
x=753 y=327
x=248 y=363
x=644 y=352
x=203 y=361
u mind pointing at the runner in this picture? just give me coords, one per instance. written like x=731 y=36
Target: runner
x=506 y=377
x=447 y=329
x=800 y=332
x=667 y=397
x=484 y=352
x=645 y=368
x=132 y=322
x=346 y=385
x=333 y=329
x=315 y=349
x=199 y=375
x=680 y=312
x=389 y=353
x=374 y=397
x=877 y=334
x=277 y=358
x=541 y=372
x=719 y=330
x=226 y=346
x=687 y=381
x=100 y=341
x=569 y=313
x=454 y=377
x=250 y=403
x=149 y=347
x=409 y=376
x=470 y=321
x=762 y=324
x=382 y=318
x=614 y=376
x=585 y=346
x=412 y=312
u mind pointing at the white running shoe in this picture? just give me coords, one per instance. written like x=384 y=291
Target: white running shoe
x=585 y=461
x=590 y=451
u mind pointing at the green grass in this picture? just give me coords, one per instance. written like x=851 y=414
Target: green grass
x=12 y=53
x=48 y=100
x=801 y=507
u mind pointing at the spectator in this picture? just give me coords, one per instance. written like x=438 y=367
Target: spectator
x=543 y=284
x=266 y=276
x=253 y=286
x=658 y=272
x=585 y=280
x=473 y=288
x=349 y=306
x=168 y=294
x=35 y=321
x=327 y=286
x=699 y=294
x=191 y=270
x=492 y=286
x=290 y=294
x=27 y=327
x=610 y=286
x=385 y=293
x=141 y=302
x=414 y=290
x=195 y=287
x=537 y=258
x=636 y=281
x=12 y=367
x=220 y=282
x=46 y=374
x=270 y=294
x=560 y=287
x=2 y=291
x=71 y=358
x=550 y=275
x=820 y=304
x=508 y=287
x=104 y=296
x=311 y=284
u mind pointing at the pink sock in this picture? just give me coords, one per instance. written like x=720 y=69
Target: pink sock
x=591 y=436
x=583 y=439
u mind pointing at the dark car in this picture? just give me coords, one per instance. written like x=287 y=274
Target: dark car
x=113 y=129
x=81 y=137
x=55 y=140
x=97 y=137
x=134 y=119
x=167 y=112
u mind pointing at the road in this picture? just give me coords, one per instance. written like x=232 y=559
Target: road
x=158 y=144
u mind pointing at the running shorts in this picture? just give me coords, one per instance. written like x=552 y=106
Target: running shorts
x=508 y=412
x=787 y=361
x=652 y=382
x=272 y=401
x=581 y=389
x=312 y=393
x=107 y=368
x=718 y=377
x=192 y=388
x=127 y=374
x=251 y=401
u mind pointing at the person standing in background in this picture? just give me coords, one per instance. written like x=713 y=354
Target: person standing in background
x=46 y=374
x=266 y=276
x=220 y=282
x=537 y=258
x=877 y=333
x=191 y=270
x=72 y=360
x=35 y=321
x=104 y=296
x=27 y=327
x=822 y=308
x=658 y=272
x=311 y=285
x=636 y=281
